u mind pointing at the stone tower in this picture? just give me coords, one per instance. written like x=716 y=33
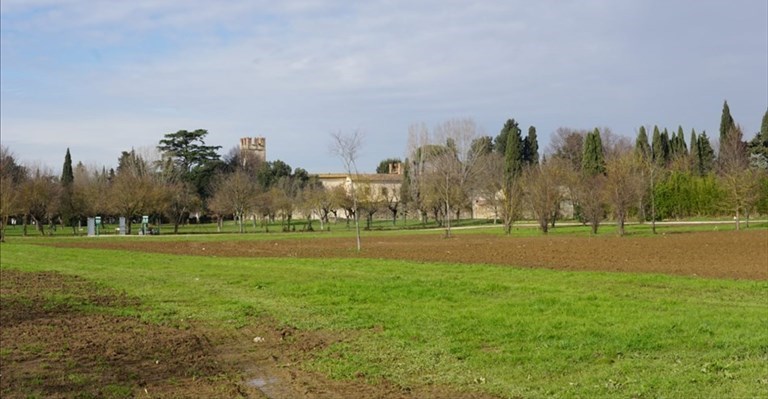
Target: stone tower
x=257 y=146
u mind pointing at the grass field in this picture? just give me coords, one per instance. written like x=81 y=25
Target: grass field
x=509 y=332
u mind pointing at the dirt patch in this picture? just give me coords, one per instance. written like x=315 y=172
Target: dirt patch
x=60 y=338
x=737 y=255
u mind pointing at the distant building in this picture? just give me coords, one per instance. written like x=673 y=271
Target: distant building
x=253 y=148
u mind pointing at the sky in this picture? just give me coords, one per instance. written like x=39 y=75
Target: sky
x=101 y=77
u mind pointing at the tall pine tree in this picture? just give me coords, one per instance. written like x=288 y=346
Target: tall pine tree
x=593 y=161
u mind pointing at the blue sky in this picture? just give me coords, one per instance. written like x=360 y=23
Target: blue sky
x=101 y=77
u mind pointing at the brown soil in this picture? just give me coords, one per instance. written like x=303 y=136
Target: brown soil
x=737 y=255
x=60 y=338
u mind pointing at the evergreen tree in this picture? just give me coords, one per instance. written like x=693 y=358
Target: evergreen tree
x=593 y=161
x=67 y=174
x=673 y=146
x=384 y=165
x=513 y=152
x=695 y=154
x=726 y=123
x=764 y=125
x=500 y=142
x=759 y=144
x=531 y=147
x=482 y=145
x=68 y=207
x=642 y=149
x=680 y=148
x=706 y=154
x=196 y=162
x=666 y=151
x=658 y=148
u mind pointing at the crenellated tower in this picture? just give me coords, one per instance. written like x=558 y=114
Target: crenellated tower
x=256 y=146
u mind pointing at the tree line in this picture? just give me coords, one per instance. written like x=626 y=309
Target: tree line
x=449 y=170
x=600 y=174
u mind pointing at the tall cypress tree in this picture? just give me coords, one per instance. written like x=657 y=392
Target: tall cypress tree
x=706 y=154
x=513 y=152
x=642 y=149
x=531 y=147
x=666 y=152
x=726 y=123
x=695 y=154
x=67 y=174
x=680 y=148
x=593 y=161
x=759 y=144
x=658 y=149
x=764 y=125
x=67 y=206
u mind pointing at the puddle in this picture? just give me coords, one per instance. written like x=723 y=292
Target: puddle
x=261 y=382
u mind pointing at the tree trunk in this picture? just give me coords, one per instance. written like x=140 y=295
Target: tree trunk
x=620 y=223
x=653 y=207
x=738 y=219
x=447 y=219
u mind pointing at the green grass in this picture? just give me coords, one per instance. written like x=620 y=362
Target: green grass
x=207 y=232
x=512 y=332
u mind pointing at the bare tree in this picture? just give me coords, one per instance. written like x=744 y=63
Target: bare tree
x=543 y=184
x=454 y=166
x=589 y=193
x=179 y=200
x=623 y=185
x=136 y=189
x=741 y=181
x=368 y=202
x=418 y=148
x=39 y=195
x=234 y=194
x=490 y=183
x=568 y=144
x=11 y=177
x=347 y=148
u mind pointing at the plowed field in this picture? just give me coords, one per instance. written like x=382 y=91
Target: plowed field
x=736 y=255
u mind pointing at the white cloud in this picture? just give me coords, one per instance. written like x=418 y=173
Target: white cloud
x=296 y=71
